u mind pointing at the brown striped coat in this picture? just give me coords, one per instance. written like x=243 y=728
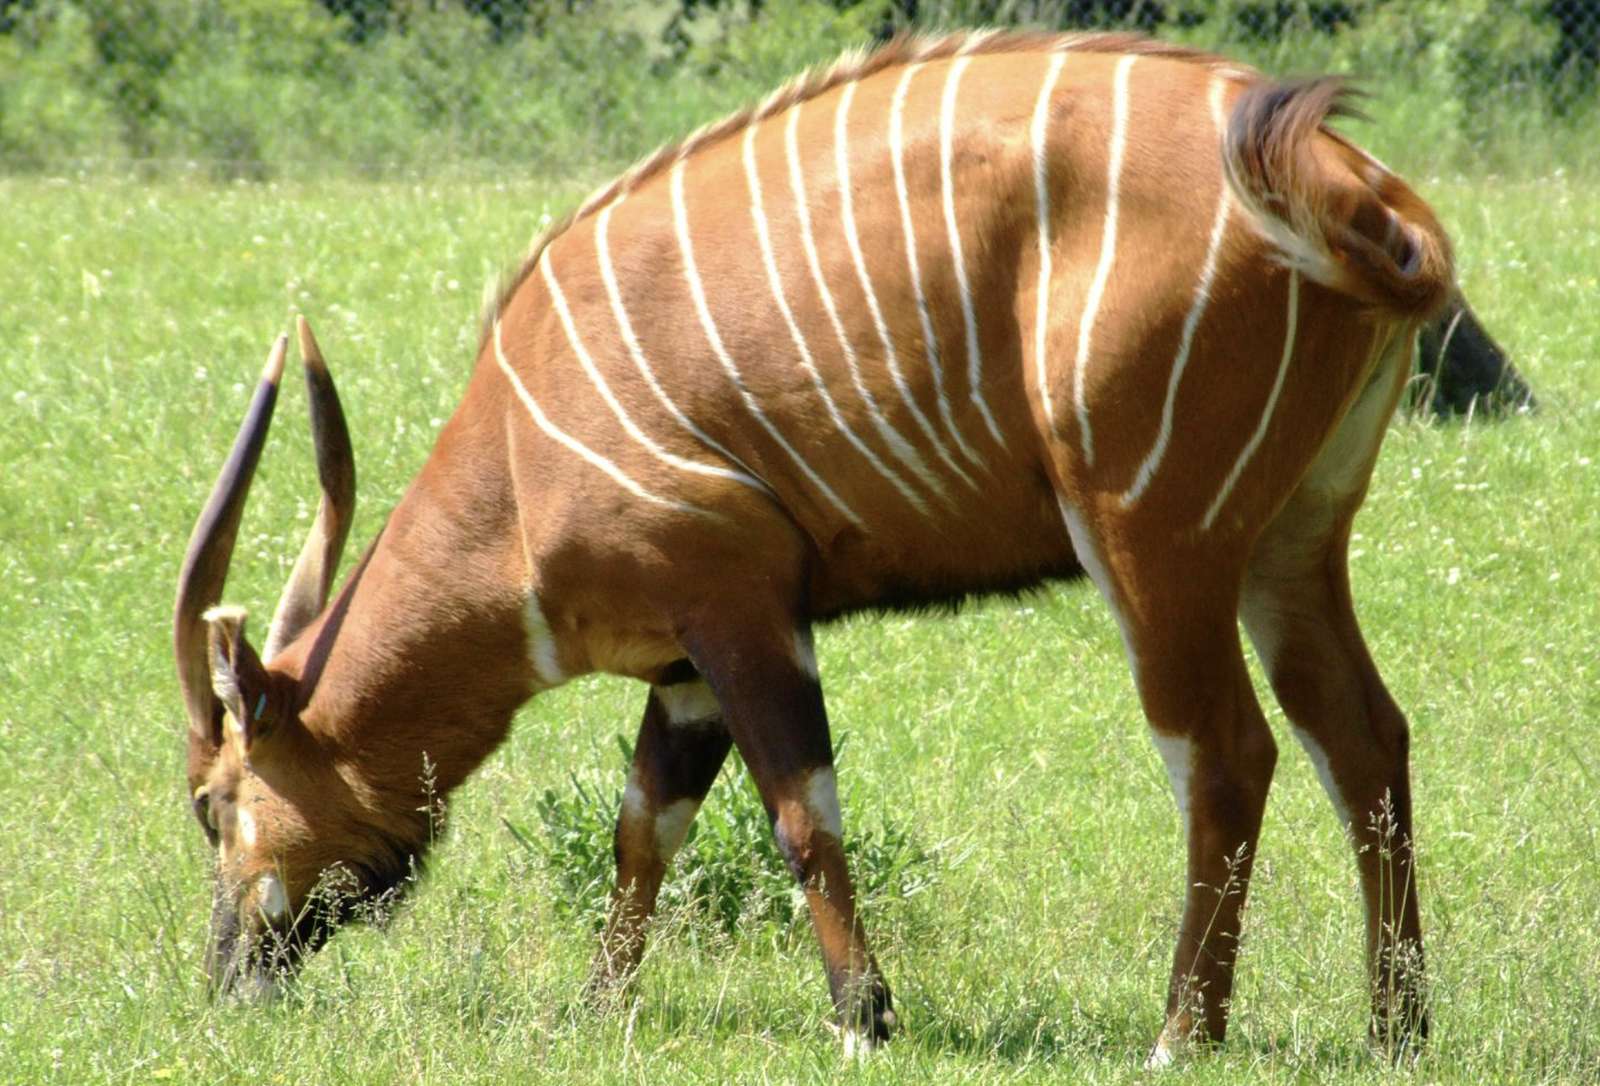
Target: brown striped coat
x=960 y=315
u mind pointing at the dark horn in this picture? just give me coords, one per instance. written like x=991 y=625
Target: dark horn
x=205 y=563
x=307 y=590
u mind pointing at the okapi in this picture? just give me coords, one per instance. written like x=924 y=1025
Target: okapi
x=965 y=314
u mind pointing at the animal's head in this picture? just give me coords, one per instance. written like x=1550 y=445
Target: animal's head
x=294 y=853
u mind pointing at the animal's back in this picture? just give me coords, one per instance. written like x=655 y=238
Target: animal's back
x=906 y=314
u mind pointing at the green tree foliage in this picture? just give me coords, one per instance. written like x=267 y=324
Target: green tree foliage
x=250 y=87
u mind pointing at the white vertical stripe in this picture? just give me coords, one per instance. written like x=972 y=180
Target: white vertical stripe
x=847 y=216
x=1108 y=249
x=559 y=300
x=947 y=115
x=764 y=238
x=609 y=276
x=1041 y=191
x=902 y=449
x=562 y=437
x=930 y=339
x=697 y=293
x=543 y=652
x=1266 y=413
x=1202 y=295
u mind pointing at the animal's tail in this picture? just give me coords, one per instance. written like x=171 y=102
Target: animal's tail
x=1335 y=212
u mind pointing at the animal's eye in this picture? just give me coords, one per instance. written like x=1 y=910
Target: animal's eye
x=206 y=814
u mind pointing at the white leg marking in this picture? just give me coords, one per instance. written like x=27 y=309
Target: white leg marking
x=542 y=651
x=634 y=805
x=1178 y=754
x=1087 y=550
x=631 y=341
x=930 y=339
x=672 y=826
x=247 y=828
x=902 y=449
x=857 y=1043
x=1202 y=295
x=575 y=341
x=271 y=898
x=1108 y=249
x=1267 y=636
x=1266 y=413
x=560 y=436
x=847 y=216
x=805 y=653
x=822 y=801
x=689 y=703
x=1161 y=1057
x=1041 y=191
x=807 y=362
x=697 y=293
x=947 y=114
x=1319 y=760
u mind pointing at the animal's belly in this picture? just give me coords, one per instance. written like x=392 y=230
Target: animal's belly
x=1009 y=543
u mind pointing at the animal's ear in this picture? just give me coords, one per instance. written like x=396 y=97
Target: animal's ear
x=240 y=681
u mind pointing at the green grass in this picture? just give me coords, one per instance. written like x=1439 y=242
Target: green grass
x=1007 y=740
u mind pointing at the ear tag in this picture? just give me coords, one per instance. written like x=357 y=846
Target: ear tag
x=261 y=705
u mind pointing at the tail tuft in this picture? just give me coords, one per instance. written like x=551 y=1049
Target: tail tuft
x=1334 y=212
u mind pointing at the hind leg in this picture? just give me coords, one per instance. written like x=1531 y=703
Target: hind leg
x=681 y=746
x=1182 y=637
x=1298 y=610
x=1220 y=757
x=1296 y=606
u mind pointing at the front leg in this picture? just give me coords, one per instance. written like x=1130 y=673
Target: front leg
x=765 y=677
x=682 y=744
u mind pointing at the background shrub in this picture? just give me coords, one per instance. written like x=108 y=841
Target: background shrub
x=259 y=88
x=729 y=879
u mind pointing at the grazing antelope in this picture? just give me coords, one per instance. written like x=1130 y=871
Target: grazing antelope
x=960 y=315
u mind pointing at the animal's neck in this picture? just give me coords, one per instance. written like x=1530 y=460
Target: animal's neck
x=413 y=673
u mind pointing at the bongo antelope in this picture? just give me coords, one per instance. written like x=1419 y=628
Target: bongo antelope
x=963 y=314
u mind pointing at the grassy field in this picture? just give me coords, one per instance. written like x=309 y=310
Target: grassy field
x=1007 y=740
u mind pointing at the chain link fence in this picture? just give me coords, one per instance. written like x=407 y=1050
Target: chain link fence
x=264 y=88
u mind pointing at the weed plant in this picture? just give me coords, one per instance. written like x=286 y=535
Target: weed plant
x=729 y=878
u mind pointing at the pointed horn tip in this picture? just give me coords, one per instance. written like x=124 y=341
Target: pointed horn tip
x=273 y=371
x=310 y=351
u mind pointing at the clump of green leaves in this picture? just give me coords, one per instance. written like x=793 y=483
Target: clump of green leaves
x=729 y=878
